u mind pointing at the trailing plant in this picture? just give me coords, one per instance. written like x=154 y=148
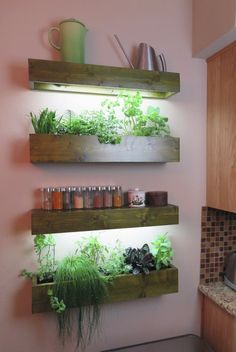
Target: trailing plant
x=141 y=260
x=45 y=122
x=78 y=284
x=44 y=247
x=162 y=251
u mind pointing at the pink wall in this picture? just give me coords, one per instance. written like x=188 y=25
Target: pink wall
x=166 y=25
x=213 y=26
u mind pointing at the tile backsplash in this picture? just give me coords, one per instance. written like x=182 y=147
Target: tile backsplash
x=218 y=238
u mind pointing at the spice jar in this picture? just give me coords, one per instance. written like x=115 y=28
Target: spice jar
x=77 y=198
x=67 y=198
x=136 y=198
x=46 y=196
x=88 y=197
x=107 y=196
x=57 y=200
x=117 y=196
x=97 y=197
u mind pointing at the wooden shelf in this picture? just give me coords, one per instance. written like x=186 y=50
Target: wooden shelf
x=122 y=288
x=56 y=221
x=96 y=79
x=45 y=148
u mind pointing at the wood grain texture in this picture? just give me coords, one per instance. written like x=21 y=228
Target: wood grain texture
x=122 y=288
x=73 y=77
x=45 y=148
x=43 y=221
x=218 y=327
x=221 y=130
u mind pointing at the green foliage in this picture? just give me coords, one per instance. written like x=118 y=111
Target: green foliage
x=91 y=248
x=139 y=123
x=57 y=306
x=78 y=284
x=45 y=122
x=104 y=123
x=44 y=247
x=162 y=251
x=114 y=264
x=109 y=261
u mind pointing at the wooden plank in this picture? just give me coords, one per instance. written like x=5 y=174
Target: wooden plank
x=73 y=77
x=221 y=131
x=71 y=149
x=122 y=288
x=57 y=221
x=218 y=327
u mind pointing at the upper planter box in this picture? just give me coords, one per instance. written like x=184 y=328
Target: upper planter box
x=46 y=148
x=97 y=79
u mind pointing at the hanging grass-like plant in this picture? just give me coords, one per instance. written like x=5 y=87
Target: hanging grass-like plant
x=79 y=284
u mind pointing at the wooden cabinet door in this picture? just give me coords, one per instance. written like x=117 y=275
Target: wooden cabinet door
x=218 y=327
x=221 y=130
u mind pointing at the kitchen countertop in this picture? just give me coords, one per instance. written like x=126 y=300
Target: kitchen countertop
x=221 y=294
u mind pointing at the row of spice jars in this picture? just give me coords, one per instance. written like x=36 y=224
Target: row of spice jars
x=67 y=198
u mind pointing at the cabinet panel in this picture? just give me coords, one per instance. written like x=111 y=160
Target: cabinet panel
x=221 y=130
x=218 y=327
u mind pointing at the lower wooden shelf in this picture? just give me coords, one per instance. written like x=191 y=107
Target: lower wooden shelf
x=43 y=221
x=123 y=288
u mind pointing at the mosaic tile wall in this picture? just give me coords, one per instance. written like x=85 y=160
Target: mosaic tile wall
x=217 y=240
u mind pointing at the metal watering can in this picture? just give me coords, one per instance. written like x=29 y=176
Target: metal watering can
x=146 y=58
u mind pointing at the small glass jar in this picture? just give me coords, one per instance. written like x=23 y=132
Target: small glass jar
x=67 y=198
x=107 y=196
x=46 y=196
x=78 y=201
x=117 y=196
x=97 y=197
x=136 y=198
x=57 y=199
x=88 y=197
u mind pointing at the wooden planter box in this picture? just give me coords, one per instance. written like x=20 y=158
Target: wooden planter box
x=56 y=221
x=45 y=148
x=123 y=288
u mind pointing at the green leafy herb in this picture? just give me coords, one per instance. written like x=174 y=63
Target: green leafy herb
x=46 y=122
x=162 y=251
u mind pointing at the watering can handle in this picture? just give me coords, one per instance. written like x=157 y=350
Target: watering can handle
x=163 y=62
x=121 y=46
x=50 y=31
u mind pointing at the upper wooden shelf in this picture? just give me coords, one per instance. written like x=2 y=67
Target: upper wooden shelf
x=97 y=79
x=56 y=221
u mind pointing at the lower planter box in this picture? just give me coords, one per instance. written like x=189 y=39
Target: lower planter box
x=45 y=148
x=122 y=288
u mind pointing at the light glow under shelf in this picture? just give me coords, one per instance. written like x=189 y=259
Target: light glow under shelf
x=97 y=79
